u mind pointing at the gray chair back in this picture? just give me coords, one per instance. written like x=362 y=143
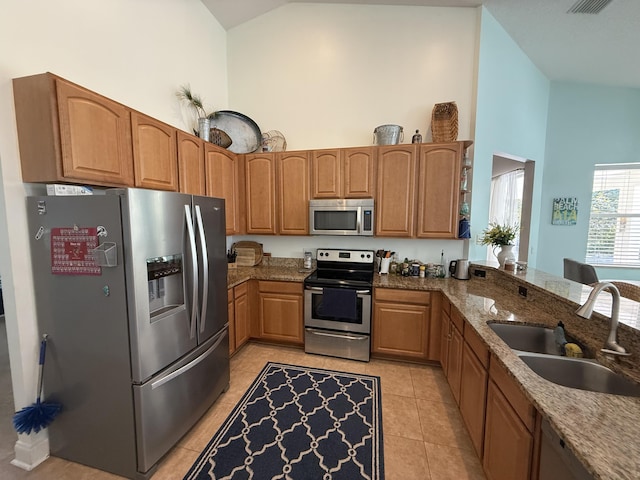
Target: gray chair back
x=579 y=272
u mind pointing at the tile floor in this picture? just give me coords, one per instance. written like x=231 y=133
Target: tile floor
x=424 y=436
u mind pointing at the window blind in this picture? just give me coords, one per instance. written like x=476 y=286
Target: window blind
x=614 y=223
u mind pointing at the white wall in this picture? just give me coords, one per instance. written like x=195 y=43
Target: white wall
x=327 y=75
x=137 y=52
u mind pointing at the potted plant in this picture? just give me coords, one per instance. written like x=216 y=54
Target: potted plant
x=194 y=102
x=501 y=236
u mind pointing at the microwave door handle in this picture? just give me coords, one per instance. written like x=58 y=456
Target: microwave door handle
x=194 y=271
x=205 y=268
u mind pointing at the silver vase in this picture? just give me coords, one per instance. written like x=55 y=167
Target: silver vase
x=204 y=128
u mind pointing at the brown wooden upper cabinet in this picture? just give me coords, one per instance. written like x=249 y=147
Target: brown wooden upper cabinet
x=418 y=190
x=191 y=164
x=293 y=193
x=343 y=173
x=260 y=188
x=155 y=155
x=439 y=168
x=395 y=193
x=224 y=171
x=70 y=134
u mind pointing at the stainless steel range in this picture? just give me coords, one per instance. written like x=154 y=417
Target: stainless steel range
x=337 y=304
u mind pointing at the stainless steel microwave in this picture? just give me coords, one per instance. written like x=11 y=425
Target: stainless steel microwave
x=341 y=217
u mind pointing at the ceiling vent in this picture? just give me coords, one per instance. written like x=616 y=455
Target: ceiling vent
x=589 y=6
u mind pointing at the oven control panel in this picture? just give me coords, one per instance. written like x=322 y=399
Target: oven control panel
x=351 y=256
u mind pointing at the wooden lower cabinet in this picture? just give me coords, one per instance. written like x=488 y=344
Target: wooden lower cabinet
x=238 y=311
x=232 y=321
x=279 y=310
x=510 y=426
x=473 y=396
x=401 y=320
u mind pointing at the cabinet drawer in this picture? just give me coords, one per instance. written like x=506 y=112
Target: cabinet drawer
x=457 y=319
x=280 y=287
x=240 y=290
x=476 y=344
x=446 y=305
x=403 y=296
x=517 y=399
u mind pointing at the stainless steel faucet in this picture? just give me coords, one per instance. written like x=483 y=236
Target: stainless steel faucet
x=585 y=311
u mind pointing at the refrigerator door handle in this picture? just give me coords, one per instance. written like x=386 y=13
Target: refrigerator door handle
x=194 y=269
x=191 y=364
x=205 y=269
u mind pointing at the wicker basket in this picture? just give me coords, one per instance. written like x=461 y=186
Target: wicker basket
x=444 y=122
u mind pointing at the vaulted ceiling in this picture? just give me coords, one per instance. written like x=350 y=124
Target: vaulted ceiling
x=601 y=48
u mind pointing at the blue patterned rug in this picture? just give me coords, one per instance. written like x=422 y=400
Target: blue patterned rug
x=299 y=423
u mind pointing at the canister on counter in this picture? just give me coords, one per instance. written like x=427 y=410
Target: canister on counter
x=415 y=269
x=423 y=271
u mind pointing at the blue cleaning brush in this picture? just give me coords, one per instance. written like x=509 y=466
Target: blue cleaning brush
x=38 y=415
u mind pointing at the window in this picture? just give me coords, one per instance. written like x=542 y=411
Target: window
x=614 y=225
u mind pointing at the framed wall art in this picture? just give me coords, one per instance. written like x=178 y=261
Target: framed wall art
x=565 y=211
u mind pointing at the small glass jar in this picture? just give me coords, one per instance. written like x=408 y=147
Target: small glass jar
x=423 y=271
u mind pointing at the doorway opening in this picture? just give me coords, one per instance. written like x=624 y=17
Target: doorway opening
x=511 y=197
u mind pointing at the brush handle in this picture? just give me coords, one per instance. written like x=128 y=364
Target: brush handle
x=43 y=350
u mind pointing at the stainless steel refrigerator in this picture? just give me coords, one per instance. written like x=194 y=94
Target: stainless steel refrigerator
x=131 y=287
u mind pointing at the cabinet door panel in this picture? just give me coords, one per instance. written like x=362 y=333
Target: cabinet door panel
x=400 y=330
x=281 y=317
x=508 y=445
x=358 y=169
x=191 y=164
x=222 y=169
x=154 y=153
x=454 y=367
x=260 y=184
x=241 y=305
x=293 y=193
x=95 y=136
x=395 y=192
x=473 y=396
x=327 y=174
x=439 y=190
x=231 y=315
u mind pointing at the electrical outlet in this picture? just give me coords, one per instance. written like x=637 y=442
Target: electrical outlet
x=522 y=291
x=479 y=239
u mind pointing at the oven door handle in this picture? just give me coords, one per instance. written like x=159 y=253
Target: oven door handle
x=336 y=335
x=320 y=289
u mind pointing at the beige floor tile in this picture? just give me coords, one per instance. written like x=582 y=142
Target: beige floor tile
x=238 y=385
x=176 y=464
x=395 y=377
x=203 y=431
x=449 y=463
x=343 y=365
x=400 y=416
x=424 y=436
x=429 y=383
x=405 y=459
x=442 y=424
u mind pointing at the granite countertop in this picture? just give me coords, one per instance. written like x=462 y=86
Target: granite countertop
x=602 y=430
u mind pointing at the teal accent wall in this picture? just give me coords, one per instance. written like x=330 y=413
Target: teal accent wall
x=511 y=118
x=588 y=124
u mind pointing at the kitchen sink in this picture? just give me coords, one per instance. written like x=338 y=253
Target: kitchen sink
x=527 y=338
x=584 y=374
